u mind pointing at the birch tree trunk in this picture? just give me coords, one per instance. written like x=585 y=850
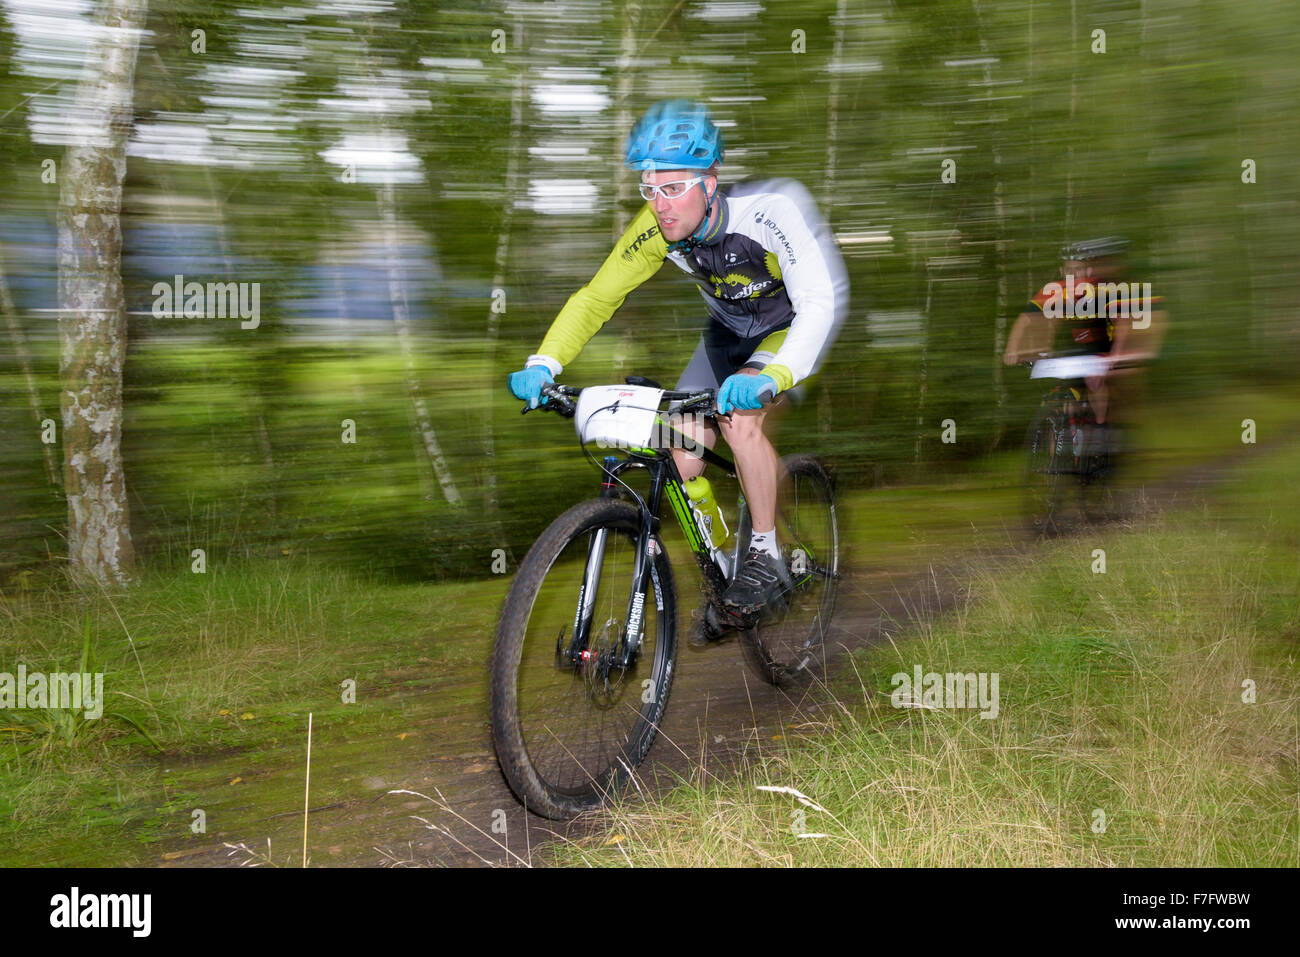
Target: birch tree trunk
x=92 y=307
x=402 y=321
x=386 y=202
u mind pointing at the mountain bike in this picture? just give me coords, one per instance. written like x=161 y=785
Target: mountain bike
x=1069 y=464
x=586 y=646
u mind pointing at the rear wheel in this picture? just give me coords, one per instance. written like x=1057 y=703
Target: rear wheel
x=569 y=729
x=787 y=646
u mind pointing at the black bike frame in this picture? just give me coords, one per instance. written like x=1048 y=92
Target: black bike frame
x=665 y=482
x=1061 y=399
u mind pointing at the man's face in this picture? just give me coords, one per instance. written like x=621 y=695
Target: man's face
x=679 y=217
x=1079 y=270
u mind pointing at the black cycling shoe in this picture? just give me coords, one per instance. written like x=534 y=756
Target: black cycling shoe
x=759 y=582
x=707 y=628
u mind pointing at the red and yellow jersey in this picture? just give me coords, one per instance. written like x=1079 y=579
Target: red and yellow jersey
x=1085 y=311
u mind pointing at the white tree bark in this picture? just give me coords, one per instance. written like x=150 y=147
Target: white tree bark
x=402 y=321
x=92 y=321
x=386 y=201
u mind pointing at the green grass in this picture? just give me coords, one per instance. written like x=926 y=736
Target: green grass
x=220 y=671
x=1121 y=703
x=212 y=676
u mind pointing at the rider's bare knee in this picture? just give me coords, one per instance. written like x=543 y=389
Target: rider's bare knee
x=742 y=429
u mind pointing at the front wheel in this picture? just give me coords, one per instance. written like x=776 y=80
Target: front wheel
x=1049 y=470
x=568 y=723
x=787 y=646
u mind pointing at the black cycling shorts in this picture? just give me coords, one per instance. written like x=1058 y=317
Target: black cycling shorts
x=722 y=353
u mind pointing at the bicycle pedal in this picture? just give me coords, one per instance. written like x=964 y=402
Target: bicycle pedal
x=751 y=617
x=738 y=617
x=707 y=628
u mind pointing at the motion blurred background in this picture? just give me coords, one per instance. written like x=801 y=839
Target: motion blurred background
x=417 y=187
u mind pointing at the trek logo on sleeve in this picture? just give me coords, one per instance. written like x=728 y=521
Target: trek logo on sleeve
x=636 y=243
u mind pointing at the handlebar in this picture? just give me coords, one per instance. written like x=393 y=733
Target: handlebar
x=563 y=400
x=1112 y=362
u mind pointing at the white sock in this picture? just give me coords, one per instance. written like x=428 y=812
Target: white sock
x=765 y=541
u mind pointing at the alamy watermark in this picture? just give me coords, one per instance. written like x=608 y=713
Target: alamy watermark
x=76 y=909
x=1110 y=300
x=931 y=689
x=215 y=300
x=74 y=691
x=667 y=432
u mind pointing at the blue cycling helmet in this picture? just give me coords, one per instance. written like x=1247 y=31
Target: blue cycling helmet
x=674 y=134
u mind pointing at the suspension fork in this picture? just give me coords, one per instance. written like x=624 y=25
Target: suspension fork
x=629 y=643
x=587 y=592
x=590 y=586
x=647 y=546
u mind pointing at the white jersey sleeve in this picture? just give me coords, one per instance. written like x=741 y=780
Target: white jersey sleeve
x=785 y=220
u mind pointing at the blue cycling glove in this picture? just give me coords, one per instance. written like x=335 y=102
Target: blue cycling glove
x=745 y=392
x=527 y=384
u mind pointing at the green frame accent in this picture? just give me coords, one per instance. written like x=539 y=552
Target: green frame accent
x=686 y=518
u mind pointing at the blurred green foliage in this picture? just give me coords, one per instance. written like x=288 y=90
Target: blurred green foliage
x=264 y=157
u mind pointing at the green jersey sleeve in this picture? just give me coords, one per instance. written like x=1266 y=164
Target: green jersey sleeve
x=636 y=257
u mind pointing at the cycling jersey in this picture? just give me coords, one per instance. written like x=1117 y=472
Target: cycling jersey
x=1086 y=311
x=770 y=262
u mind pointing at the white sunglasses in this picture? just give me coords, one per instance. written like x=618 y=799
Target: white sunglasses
x=672 y=190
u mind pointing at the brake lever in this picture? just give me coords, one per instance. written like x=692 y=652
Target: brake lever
x=558 y=403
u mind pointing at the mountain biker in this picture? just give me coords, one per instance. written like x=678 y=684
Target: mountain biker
x=775 y=288
x=1094 y=309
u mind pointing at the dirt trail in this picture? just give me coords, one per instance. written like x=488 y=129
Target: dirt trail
x=718 y=710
